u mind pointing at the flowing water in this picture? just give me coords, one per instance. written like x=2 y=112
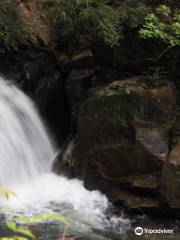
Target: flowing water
x=26 y=156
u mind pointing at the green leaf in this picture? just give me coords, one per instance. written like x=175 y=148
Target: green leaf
x=14 y=238
x=42 y=217
x=20 y=238
x=26 y=232
x=11 y=225
x=8 y=238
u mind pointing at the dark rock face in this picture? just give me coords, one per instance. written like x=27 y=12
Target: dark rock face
x=134 y=202
x=78 y=81
x=149 y=183
x=117 y=133
x=171 y=178
x=64 y=162
x=123 y=141
x=82 y=73
x=171 y=171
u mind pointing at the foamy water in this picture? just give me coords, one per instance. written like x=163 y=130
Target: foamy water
x=26 y=157
x=50 y=191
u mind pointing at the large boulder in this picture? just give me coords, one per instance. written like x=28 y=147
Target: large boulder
x=171 y=171
x=171 y=178
x=123 y=129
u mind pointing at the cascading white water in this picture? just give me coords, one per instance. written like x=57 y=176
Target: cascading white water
x=25 y=149
x=26 y=156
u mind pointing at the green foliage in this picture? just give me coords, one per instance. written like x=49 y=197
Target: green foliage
x=18 y=226
x=41 y=218
x=83 y=22
x=23 y=229
x=154 y=76
x=163 y=24
x=19 y=230
x=132 y=13
x=11 y=34
x=14 y=238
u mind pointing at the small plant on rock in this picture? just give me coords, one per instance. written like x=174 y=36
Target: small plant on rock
x=154 y=76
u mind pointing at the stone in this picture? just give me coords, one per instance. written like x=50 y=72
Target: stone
x=119 y=136
x=155 y=141
x=142 y=183
x=134 y=202
x=63 y=164
x=36 y=22
x=171 y=178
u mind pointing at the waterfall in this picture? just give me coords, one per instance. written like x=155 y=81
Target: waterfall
x=26 y=156
x=25 y=148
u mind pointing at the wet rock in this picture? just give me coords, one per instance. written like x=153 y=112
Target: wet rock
x=171 y=178
x=156 y=141
x=149 y=183
x=119 y=136
x=133 y=202
x=64 y=162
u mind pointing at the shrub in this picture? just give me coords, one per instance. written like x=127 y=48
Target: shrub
x=132 y=13
x=163 y=24
x=154 y=76
x=82 y=22
x=85 y=21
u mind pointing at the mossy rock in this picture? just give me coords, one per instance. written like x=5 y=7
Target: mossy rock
x=123 y=129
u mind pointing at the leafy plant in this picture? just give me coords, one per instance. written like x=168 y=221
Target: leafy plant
x=24 y=231
x=85 y=21
x=163 y=24
x=18 y=230
x=18 y=226
x=154 y=76
x=41 y=218
x=132 y=13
